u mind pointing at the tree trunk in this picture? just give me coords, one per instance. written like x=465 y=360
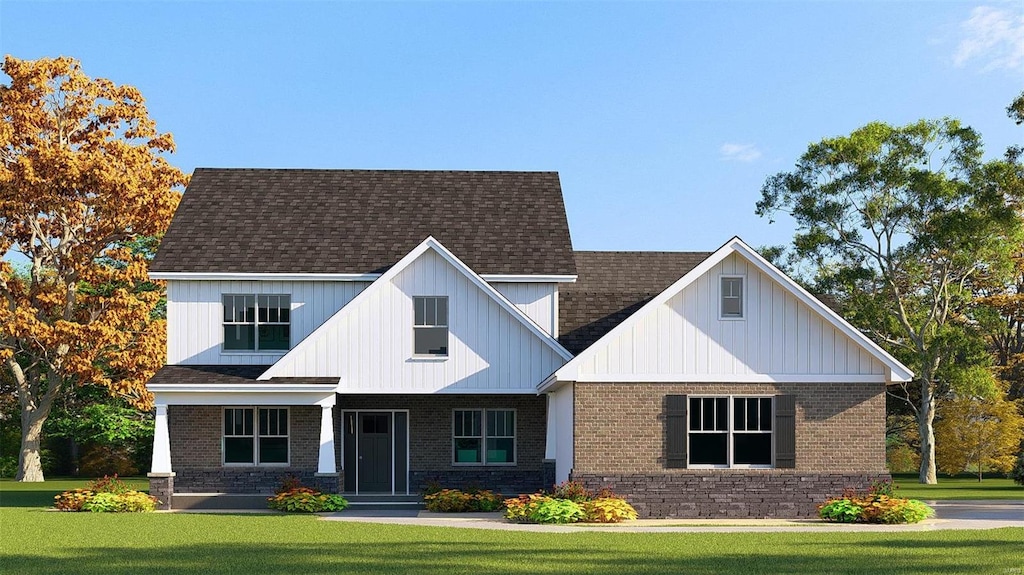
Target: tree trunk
x=30 y=466
x=925 y=419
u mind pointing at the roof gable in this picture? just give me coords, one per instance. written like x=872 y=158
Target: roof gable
x=363 y=221
x=297 y=362
x=575 y=369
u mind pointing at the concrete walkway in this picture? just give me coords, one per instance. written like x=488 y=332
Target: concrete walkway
x=949 y=515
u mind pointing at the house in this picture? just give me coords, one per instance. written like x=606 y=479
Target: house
x=377 y=332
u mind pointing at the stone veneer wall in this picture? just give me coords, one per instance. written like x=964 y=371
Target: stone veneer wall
x=430 y=440
x=619 y=442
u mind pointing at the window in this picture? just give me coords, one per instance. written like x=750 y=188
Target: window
x=257 y=322
x=264 y=442
x=484 y=436
x=730 y=432
x=732 y=298
x=430 y=326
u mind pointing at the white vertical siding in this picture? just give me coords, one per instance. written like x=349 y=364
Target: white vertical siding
x=779 y=335
x=536 y=300
x=560 y=410
x=195 y=315
x=369 y=344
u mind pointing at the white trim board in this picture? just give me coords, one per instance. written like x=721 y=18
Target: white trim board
x=428 y=244
x=250 y=276
x=727 y=378
x=896 y=370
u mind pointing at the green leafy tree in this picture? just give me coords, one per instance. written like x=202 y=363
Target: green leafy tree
x=897 y=222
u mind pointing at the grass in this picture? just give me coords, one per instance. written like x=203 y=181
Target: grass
x=39 y=541
x=959 y=487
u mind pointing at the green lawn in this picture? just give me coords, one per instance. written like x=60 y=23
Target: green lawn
x=960 y=487
x=33 y=540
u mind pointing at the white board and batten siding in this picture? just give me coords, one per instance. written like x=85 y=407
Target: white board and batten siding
x=684 y=338
x=369 y=345
x=539 y=301
x=195 y=316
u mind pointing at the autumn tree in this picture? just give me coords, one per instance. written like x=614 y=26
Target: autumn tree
x=896 y=222
x=983 y=432
x=83 y=176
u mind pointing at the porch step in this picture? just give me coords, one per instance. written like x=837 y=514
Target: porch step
x=380 y=502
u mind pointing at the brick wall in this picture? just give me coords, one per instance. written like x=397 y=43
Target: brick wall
x=430 y=439
x=619 y=433
x=196 y=432
x=620 y=427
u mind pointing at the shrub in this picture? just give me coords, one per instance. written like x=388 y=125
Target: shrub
x=101 y=503
x=8 y=465
x=1017 y=473
x=608 y=510
x=456 y=501
x=108 y=484
x=518 y=509
x=557 y=511
x=874 y=508
x=306 y=500
x=72 y=500
x=571 y=490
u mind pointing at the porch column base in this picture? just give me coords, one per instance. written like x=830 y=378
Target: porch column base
x=161 y=486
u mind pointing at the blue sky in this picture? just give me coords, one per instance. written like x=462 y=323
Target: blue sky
x=663 y=119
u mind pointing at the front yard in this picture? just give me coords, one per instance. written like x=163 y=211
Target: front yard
x=38 y=541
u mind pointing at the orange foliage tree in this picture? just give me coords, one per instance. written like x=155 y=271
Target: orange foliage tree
x=83 y=178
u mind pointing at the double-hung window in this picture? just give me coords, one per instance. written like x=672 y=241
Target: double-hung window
x=257 y=322
x=430 y=326
x=256 y=436
x=730 y=431
x=484 y=436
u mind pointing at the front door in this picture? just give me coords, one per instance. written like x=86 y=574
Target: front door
x=374 y=453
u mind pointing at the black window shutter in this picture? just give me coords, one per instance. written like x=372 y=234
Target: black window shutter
x=785 y=431
x=675 y=431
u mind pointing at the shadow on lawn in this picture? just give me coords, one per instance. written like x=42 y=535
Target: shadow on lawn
x=558 y=555
x=42 y=497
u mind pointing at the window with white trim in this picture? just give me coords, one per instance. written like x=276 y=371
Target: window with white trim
x=730 y=431
x=255 y=436
x=430 y=325
x=257 y=322
x=732 y=297
x=484 y=436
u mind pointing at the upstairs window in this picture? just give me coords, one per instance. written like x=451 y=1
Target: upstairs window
x=732 y=298
x=430 y=326
x=257 y=322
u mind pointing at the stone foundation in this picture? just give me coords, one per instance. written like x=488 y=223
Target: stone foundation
x=723 y=493
x=506 y=481
x=161 y=486
x=250 y=480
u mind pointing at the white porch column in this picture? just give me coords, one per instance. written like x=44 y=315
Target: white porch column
x=161 y=442
x=326 y=463
x=551 y=438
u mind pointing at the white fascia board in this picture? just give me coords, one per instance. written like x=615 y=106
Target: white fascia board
x=728 y=378
x=442 y=391
x=248 y=276
x=898 y=371
x=428 y=244
x=254 y=394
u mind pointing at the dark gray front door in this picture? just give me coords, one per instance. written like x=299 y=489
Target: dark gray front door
x=374 y=452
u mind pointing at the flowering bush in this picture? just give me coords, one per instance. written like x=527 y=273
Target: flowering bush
x=569 y=502
x=879 y=505
x=456 y=501
x=306 y=500
x=105 y=495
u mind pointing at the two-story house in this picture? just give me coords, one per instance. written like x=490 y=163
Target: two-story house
x=378 y=332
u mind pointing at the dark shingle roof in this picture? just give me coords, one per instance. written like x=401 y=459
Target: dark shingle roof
x=218 y=374
x=364 y=221
x=612 y=286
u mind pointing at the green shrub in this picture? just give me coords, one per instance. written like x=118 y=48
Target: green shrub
x=457 y=501
x=905 y=511
x=557 y=511
x=8 y=465
x=874 y=508
x=840 y=510
x=105 y=495
x=518 y=509
x=608 y=510
x=306 y=500
x=101 y=503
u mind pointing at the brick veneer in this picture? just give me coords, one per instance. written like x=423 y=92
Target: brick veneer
x=619 y=442
x=196 y=433
x=430 y=439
